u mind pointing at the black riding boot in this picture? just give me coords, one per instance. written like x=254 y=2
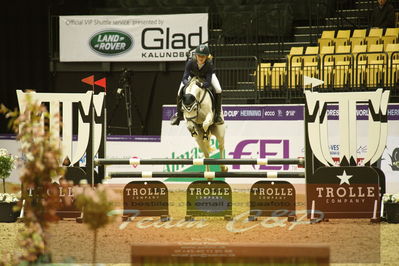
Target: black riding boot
x=217 y=119
x=175 y=120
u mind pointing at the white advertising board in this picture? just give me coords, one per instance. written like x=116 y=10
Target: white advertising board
x=131 y=38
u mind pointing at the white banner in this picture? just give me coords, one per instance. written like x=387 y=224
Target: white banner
x=131 y=38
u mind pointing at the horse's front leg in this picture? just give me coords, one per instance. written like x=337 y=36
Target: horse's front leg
x=192 y=128
x=208 y=121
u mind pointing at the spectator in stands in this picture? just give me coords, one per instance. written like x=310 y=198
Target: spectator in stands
x=383 y=15
x=200 y=66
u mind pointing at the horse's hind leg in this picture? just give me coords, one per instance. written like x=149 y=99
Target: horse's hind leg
x=219 y=131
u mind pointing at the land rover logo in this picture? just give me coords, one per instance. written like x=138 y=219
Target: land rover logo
x=111 y=42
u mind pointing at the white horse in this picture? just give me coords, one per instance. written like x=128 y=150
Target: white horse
x=198 y=113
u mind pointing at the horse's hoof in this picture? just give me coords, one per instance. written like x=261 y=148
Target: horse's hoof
x=224 y=168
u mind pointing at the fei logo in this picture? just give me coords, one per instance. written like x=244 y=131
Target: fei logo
x=265 y=148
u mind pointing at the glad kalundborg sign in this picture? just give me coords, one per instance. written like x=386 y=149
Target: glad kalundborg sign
x=131 y=38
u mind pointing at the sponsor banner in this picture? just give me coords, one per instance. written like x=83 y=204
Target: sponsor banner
x=131 y=38
x=261 y=112
x=283 y=112
x=362 y=112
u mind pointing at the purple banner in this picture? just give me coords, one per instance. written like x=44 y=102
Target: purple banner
x=283 y=112
x=362 y=112
x=271 y=112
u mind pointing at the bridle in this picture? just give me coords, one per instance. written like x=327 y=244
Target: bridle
x=195 y=105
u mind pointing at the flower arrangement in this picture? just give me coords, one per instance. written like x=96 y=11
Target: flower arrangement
x=391 y=198
x=8 y=198
x=41 y=165
x=7 y=164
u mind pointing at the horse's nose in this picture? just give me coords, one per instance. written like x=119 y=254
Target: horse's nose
x=188 y=99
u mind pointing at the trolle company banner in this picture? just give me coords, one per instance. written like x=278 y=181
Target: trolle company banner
x=131 y=38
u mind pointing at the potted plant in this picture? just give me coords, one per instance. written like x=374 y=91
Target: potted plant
x=7 y=163
x=391 y=207
x=7 y=201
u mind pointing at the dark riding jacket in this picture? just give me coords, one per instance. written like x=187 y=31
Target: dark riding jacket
x=192 y=70
x=383 y=17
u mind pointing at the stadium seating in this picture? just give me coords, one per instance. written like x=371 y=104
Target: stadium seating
x=363 y=59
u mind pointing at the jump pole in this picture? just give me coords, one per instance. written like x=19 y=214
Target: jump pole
x=203 y=161
x=208 y=175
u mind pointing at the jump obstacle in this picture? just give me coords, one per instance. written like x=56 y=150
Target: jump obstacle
x=321 y=173
x=208 y=175
x=203 y=161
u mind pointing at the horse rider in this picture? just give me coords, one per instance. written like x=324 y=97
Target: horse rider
x=200 y=66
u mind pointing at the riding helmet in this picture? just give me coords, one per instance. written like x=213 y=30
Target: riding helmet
x=202 y=49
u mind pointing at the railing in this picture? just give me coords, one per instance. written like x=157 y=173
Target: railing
x=340 y=72
x=238 y=75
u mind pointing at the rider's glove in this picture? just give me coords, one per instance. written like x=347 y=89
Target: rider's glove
x=199 y=84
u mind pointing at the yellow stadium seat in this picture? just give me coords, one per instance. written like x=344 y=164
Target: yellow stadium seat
x=328 y=34
x=263 y=77
x=342 y=66
x=390 y=49
x=376 y=52
x=294 y=65
x=346 y=34
x=393 y=63
x=360 y=64
x=295 y=54
x=342 y=54
x=375 y=32
x=374 y=36
x=376 y=66
x=342 y=38
x=311 y=53
x=327 y=64
x=357 y=41
x=392 y=32
x=326 y=39
x=359 y=33
x=311 y=61
x=391 y=36
x=278 y=75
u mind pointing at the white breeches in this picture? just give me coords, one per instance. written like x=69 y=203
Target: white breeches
x=215 y=85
